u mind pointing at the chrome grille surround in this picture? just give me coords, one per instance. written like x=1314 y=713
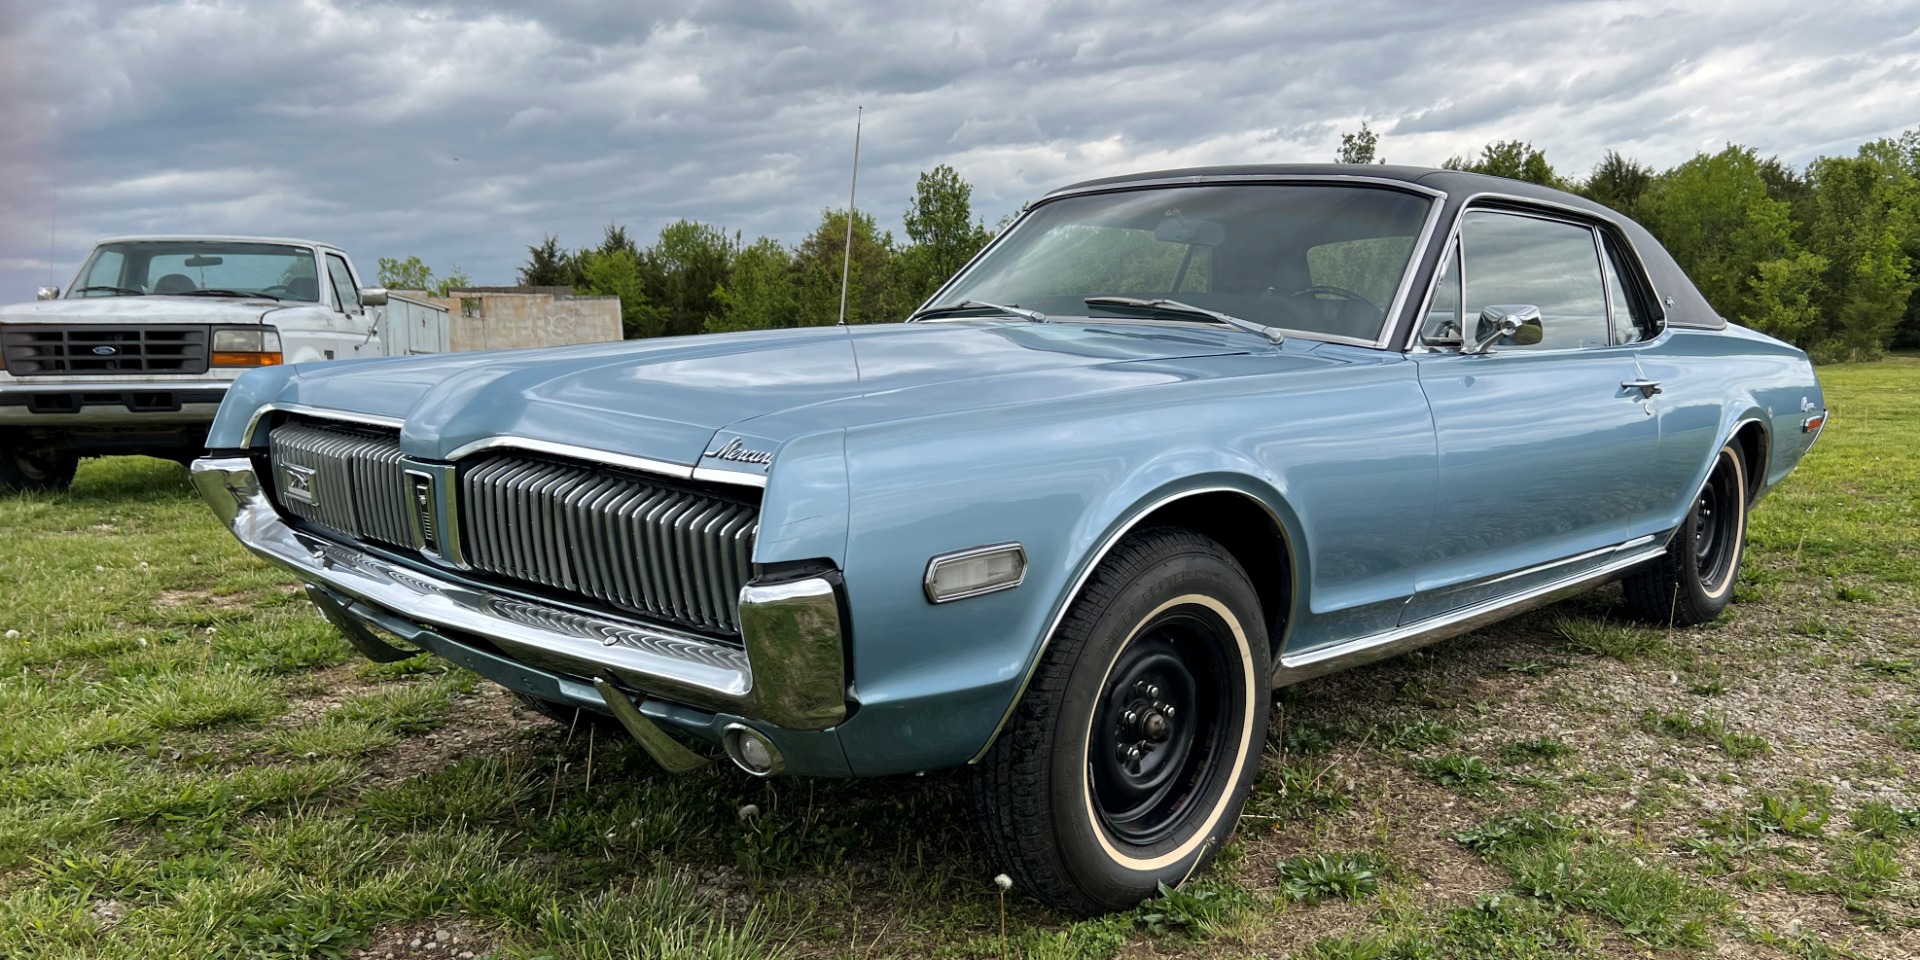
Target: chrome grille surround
x=654 y=548
x=665 y=549
x=354 y=481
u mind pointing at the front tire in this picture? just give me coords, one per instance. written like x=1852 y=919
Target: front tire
x=28 y=468
x=1129 y=759
x=1693 y=582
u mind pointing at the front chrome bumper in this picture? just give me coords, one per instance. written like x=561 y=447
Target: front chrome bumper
x=791 y=672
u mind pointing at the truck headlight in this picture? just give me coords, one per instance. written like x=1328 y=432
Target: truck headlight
x=246 y=347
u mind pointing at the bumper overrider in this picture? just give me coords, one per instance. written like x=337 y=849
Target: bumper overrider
x=770 y=702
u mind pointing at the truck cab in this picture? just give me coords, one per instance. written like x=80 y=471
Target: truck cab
x=136 y=354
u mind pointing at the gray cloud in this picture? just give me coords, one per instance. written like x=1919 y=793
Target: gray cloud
x=463 y=132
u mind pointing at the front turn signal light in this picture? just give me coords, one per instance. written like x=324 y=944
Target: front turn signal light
x=246 y=347
x=970 y=573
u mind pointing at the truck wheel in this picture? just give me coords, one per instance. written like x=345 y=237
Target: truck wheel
x=1693 y=582
x=1127 y=763
x=31 y=469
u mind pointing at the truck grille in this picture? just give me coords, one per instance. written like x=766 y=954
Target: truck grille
x=348 y=480
x=676 y=554
x=658 y=547
x=103 y=349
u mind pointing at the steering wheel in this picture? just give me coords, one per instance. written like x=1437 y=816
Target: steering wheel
x=1340 y=292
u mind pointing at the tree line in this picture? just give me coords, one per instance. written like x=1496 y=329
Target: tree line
x=698 y=278
x=1825 y=256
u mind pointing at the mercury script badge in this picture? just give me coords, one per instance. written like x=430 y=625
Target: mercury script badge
x=737 y=451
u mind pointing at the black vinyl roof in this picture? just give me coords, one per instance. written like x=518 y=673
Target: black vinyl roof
x=1680 y=299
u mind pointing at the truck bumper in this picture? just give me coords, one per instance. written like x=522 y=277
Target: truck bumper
x=785 y=686
x=68 y=404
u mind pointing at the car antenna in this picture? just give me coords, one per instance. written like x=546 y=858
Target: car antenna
x=846 y=260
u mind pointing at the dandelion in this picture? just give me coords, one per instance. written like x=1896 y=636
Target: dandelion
x=143 y=565
x=1004 y=882
x=749 y=811
x=140 y=641
x=212 y=630
x=13 y=634
x=99 y=569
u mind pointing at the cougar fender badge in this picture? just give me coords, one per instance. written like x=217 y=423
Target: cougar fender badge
x=736 y=451
x=299 y=482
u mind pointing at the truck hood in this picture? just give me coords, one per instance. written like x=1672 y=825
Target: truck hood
x=145 y=310
x=676 y=399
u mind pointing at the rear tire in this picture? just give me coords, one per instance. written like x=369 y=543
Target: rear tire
x=27 y=468
x=1128 y=761
x=1694 y=581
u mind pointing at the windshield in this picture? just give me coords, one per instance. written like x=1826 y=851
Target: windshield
x=1318 y=259
x=188 y=267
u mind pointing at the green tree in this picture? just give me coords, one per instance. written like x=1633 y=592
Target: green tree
x=683 y=269
x=942 y=235
x=1618 y=182
x=1866 y=212
x=409 y=274
x=549 y=265
x=871 y=297
x=758 y=295
x=616 y=273
x=1783 y=294
x=413 y=274
x=1715 y=215
x=1513 y=159
x=1360 y=147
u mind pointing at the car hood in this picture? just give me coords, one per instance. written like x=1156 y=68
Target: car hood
x=670 y=399
x=144 y=310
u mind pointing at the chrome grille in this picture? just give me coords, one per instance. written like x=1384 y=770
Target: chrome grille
x=353 y=483
x=666 y=552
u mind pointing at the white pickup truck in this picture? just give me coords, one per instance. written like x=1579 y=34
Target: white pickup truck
x=138 y=353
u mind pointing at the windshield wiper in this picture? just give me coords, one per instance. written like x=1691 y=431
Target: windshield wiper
x=118 y=291
x=1272 y=334
x=1031 y=316
x=213 y=292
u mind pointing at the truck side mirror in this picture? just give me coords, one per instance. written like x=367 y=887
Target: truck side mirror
x=373 y=296
x=47 y=293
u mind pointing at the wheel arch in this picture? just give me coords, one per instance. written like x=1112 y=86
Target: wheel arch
x=1244 y=515
x=1755 y=450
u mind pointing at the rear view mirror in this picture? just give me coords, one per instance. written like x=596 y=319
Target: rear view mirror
x=1178 y=229
x=373 y=296
x=1518 y=322
x=47 y=293
x=199 y=261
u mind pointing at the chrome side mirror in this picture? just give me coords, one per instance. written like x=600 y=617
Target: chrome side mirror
x=1520 y=321
x=373 y=296
x=47 y=293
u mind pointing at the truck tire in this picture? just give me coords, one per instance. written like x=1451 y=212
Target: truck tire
x=1126 y=764
x=1693 y=582
x=26 y=468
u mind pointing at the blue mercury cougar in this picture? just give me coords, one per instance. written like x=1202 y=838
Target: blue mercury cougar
x=1171 y=441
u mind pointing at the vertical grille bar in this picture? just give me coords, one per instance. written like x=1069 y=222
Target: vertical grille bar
x=663 y=552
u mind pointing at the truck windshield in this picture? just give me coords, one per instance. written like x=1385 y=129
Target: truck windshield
x=1322 y=260
x=187 y=267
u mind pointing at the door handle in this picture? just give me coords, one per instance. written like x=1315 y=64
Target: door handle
x=1647 y=388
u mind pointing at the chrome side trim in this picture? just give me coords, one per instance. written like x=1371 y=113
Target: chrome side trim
x=646 y=465
x=713 y=475
x=253 y=423
x=1380 y=646
x=1100 y=554
x=791 y=673
x=1409 y=186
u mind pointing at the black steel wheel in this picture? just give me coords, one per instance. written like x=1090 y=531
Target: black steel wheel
x=1693 y=582
x=1127 y=762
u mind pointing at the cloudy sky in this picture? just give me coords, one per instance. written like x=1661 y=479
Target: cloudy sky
x=463 y=132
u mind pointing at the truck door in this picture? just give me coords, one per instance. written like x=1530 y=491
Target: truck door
x=359 y=322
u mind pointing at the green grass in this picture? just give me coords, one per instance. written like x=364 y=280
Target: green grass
x=192 y=764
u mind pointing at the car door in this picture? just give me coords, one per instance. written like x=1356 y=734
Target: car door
x=355 y=318
x=1544 y=447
